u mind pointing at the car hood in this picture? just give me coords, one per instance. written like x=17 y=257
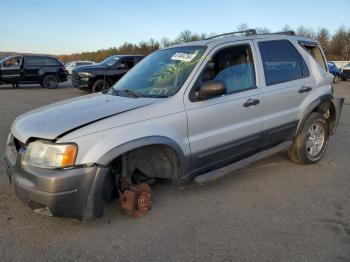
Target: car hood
x=346 y=67
x=55 y=120
x=89 y=68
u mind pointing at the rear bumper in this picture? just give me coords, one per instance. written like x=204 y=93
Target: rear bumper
x=338 y=105
x=63 y=77
x=73 y=193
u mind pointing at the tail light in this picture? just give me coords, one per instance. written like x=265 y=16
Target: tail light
x=63 y=68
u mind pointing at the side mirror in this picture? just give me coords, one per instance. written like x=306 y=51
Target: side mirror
x=211 y=89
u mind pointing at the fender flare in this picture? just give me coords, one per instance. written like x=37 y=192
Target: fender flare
x=146 y=141
x=337 y=104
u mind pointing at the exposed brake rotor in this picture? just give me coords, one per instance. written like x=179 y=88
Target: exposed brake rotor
x=137 y=199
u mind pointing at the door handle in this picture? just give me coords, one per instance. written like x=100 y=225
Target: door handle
x=305 y=89
x=251 y=102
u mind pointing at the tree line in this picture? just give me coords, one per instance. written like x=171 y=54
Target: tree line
x=336 y=45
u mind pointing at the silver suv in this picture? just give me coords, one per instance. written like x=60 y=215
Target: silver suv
x=191 y=112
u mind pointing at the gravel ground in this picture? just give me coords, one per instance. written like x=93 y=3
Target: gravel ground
x=273 y=210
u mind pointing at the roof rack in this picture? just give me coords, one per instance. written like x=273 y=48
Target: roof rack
x=244 y=32
x=289 y=32
x=249 y=32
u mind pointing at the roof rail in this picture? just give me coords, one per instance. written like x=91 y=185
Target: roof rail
x=244 y=32
x=289 y=32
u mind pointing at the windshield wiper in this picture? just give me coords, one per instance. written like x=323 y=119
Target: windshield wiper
x=111 y=91
x=130 y=92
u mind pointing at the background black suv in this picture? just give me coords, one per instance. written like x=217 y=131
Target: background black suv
x=101 y=76
x=31 y=69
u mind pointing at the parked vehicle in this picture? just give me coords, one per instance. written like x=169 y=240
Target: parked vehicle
x=334 y=70
x=194 y=111
x=345 y=72
x=71 y=65
x=31 y=69
x=102 y=76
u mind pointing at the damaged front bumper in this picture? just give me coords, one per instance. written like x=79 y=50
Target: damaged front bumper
x=73 y=193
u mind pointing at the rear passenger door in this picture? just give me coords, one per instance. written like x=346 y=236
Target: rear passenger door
x=31 y=69
x=287 y=82
x=226 y=128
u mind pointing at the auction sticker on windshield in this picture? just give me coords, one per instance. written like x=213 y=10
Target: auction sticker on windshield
x=183 y=57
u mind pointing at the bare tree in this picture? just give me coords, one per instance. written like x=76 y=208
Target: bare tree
x=286 y=28
x=165 y=42
x=242 y=27
x=336 y=46
x=185 y=36
x=262 y=30
x=306 y=32
x=340 y=44
x=323 y=37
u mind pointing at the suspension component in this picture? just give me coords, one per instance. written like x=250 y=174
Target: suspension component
x=136 y=200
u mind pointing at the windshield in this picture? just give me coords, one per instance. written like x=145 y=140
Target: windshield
x=162 y=73
x=110 y=60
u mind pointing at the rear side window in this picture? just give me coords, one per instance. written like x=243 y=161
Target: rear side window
x=40 y=61
x=282 y=62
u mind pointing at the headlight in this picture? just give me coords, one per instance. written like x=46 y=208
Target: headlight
x=85 y=74
x=49 y=155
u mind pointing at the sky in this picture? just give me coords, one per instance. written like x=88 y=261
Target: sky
x=70 y=26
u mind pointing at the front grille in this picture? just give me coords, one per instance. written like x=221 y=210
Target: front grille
x=75 y=75
x=347 y=71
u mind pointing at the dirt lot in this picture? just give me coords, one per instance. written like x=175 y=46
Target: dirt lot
x=273 y=210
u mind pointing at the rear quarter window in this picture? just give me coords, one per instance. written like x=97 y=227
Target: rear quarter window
x=282 y=62
x=315 y=51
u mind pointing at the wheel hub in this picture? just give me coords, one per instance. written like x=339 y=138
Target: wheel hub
x=315 y=139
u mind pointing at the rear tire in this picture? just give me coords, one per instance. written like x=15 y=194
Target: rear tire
x=50 y=81
x=99 y=86
x=309 y=146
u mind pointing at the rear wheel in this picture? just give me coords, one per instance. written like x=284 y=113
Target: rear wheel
x=50 y=81
x=99 y=86
x=309 y=146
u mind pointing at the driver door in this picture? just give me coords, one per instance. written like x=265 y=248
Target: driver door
x=11 y=70
x=224 y=129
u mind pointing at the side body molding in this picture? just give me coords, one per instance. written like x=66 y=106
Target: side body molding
x=146 y=141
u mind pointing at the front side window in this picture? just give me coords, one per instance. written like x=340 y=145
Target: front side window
x=13 y=62
x=281 y=62
x=233 y=66
x=112 y=60
x=162 y=73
